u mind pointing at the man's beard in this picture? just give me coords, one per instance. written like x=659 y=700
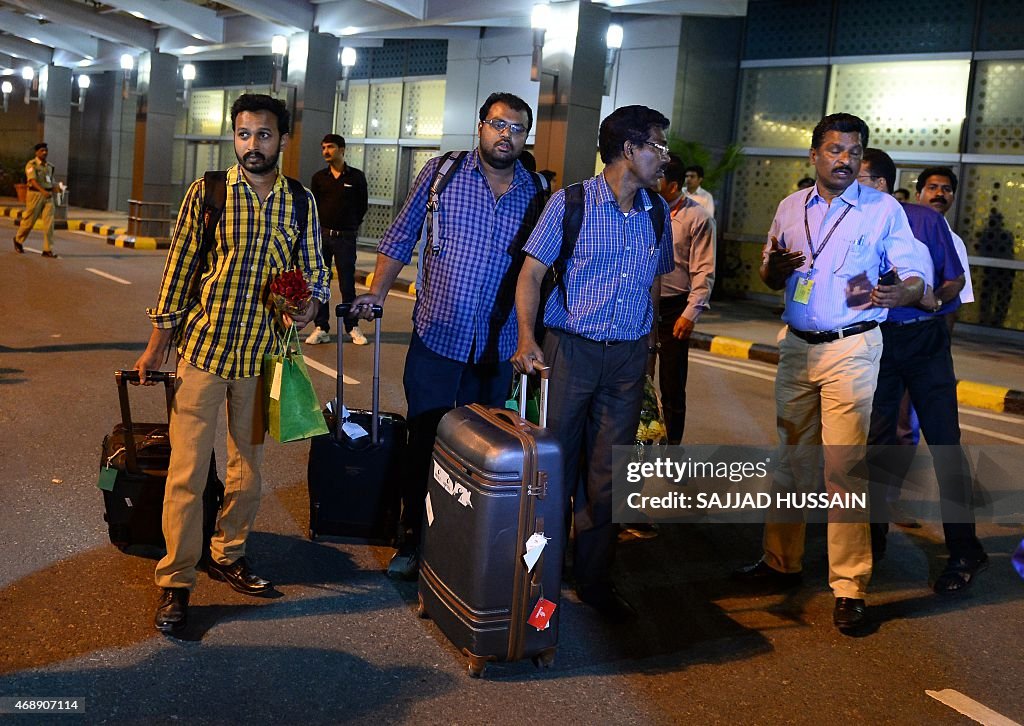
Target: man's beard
x=502 y=162
x=256 y=163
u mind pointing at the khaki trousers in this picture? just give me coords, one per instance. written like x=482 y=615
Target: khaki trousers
x=37 y=205
x=823 y=399
x=198 y=399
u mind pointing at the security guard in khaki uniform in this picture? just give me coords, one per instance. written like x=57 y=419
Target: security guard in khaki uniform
x=38 y=202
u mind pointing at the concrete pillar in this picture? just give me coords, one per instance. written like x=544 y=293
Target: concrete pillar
x=313 y=71
x=55 y=118
x=151 y=190
x=569 y=106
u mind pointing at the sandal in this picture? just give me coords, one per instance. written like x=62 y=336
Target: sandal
x=960 y=573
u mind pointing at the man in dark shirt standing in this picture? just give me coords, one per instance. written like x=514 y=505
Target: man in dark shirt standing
x=341 y=197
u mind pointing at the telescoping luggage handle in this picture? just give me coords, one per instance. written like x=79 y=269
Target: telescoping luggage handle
x=123 y=378
x=545 y=376
x=342 y=311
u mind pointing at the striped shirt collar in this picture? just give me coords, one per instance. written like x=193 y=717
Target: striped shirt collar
x=235 y=176
x=604 y=195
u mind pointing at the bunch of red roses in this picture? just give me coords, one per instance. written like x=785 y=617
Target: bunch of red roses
x=290 y=292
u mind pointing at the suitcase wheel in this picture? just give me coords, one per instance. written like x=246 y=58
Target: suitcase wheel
x=545 y=659
x=477 y=664
x=421 y=609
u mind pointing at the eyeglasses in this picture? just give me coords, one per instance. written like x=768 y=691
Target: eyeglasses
x=660 y=148
x=865 y=177
x=500 y=124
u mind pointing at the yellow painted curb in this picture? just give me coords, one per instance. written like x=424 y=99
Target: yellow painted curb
x=412 y=289
x=732 y=347
x=981 y=395
x=369 y=280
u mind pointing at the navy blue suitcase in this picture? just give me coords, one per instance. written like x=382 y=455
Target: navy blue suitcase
x=496 y=480
x=354 y=484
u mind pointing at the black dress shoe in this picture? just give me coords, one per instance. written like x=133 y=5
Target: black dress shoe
x=850 y=613
x=19 y=247
x=607 y=601
x=50 y=253
x=960 y=573
x=762 y=574
x=172 y=610
x=240 y=577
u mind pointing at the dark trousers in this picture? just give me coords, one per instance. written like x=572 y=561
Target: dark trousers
x=916 y=358
x=343 y=251
x=433 y=386
x=673 y=365
x=596 y=391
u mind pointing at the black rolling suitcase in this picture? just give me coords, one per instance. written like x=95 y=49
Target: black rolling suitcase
x=354 y=483
x=133 y=472
x=496 y=484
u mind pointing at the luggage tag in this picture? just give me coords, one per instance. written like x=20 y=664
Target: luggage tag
x=804 y=286
x=540 y=618
x=108 y=475
x=275 y=386
x=534 y=547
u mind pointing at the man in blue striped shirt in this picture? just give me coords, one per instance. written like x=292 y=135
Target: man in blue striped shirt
x=598 y=321
x=464 y=331
x=827 y=248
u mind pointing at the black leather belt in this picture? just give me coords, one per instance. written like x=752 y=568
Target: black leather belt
x=814 y=337
x=331 y=232
x=920 y=319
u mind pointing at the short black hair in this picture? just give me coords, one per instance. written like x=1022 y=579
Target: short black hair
x=513 y=102
x=922 y=178
x=805 y=183
x=40 y=145
x=845 y=123
x=695 y=168
x=674 y=171
x=881 y=165
x=336 y=139
x=628 y=123
x=253 y=102
x=528 y=160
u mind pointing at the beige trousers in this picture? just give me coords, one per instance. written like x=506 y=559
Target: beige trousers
x=36 y=206
x=823 y=399
x=198 y=400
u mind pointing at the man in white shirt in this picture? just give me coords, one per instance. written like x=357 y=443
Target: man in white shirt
x=936 y=188
x=693 y=175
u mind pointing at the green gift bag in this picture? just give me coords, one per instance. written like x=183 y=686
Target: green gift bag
x=292 y=406
x=532 y=402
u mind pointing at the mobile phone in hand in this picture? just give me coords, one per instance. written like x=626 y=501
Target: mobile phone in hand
x=889 y=278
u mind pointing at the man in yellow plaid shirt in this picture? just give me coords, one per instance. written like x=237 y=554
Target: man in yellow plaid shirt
x=217 y=312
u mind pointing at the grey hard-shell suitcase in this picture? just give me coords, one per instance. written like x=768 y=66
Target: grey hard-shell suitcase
x=496 y=480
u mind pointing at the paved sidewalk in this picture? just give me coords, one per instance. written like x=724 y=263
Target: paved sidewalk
x=733 y=328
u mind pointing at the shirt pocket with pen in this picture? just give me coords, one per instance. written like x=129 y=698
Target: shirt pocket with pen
x=859 y=256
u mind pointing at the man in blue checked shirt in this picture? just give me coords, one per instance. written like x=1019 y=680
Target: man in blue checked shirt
x=827 y=248
x=463 y=329
x=598 y=322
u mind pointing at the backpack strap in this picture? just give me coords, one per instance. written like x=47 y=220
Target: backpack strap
x=572 y=222
x=215 y=196
x=449 y=163
x=301 y=203
x=657 y=215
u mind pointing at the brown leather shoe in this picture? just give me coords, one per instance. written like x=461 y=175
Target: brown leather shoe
x=50 y=253
x=240 y=577
x=172 y=610
x=19 y=247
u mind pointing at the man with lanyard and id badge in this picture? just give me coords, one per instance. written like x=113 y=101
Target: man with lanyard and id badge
x=829 y=248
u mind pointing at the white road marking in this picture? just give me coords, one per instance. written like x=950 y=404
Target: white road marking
x=755 y=373
x=992 y=434
x=328 y=371
x=1004 y=417
x=970 y=708
x=107 y=275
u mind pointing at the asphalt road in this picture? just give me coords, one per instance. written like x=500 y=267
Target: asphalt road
x=343 y=643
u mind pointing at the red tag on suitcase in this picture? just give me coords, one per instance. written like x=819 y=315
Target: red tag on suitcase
x=541 y=614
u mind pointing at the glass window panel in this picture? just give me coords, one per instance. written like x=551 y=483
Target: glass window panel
x=419 y=159
x=350 y=115
x=381 y=163
x=997 y=113
x=385 y=111
x=780 y=106
x=376 y=221
x=911 y=106
x=206 y=113
x=759 y=184
x=992 y=211
x=423 y=109
x=354 y=155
